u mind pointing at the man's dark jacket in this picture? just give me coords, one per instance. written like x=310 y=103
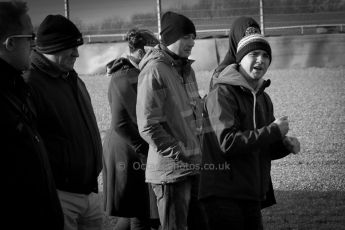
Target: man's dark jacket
x=29 y=198
x=67 y=124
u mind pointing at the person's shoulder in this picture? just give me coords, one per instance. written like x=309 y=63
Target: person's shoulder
x=34 y=77
x=157 y=58
x=124 y=78
x=222 y=90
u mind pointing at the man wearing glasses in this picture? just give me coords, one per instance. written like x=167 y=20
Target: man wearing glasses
x=30 y=199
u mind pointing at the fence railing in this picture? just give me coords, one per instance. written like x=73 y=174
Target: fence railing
x=280 y=30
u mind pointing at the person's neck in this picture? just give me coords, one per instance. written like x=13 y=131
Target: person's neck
x=53 y=59
x=253 y=83
x=10 y=62
x=134 y=59
x=172 y=54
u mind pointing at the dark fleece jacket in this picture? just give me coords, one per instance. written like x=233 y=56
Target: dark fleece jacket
x=67 y=124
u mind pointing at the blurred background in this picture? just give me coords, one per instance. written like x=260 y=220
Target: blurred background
x=109 y=20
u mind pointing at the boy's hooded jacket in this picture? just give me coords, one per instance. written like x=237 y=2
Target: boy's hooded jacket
x=169 y=115
x=239 y=140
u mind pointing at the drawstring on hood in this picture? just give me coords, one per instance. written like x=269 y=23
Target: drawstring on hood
x=231 y=76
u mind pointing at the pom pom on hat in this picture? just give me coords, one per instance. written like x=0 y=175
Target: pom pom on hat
x=57 y=33
x=250 y=42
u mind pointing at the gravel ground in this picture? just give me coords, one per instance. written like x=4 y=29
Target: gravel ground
x=314 y=101
x=312 y=98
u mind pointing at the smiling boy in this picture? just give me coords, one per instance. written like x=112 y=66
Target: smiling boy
x=241 y=130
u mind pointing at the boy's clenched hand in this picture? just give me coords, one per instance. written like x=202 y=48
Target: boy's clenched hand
x=292 y=144
x=283 y=124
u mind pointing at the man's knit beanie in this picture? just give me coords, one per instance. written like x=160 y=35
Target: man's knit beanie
x=174 y=26
x=250 y=42
x=57 y=33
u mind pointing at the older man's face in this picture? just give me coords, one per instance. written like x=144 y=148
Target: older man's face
x=65 y=59
x=183 y=47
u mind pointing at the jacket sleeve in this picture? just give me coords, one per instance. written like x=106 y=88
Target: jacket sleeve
x=122 y=99
x=151 y=118
x=277 y=150
x=224 y=117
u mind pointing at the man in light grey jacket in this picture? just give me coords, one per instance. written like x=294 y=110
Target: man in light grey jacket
x=169 y=119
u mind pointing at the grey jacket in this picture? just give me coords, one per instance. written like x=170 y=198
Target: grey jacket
x=169 y=112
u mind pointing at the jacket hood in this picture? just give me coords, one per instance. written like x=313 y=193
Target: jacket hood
x=231 y=76
x=159 y=53
x=117 y=64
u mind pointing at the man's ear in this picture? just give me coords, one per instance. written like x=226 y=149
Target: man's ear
x=9 y=44
x=141 y=53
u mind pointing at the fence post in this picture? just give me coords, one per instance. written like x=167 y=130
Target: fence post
x=262 y=18
x=67 y=9
x=159 y=18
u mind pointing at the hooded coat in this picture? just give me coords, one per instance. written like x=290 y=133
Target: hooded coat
x=169 y=112
x=239 y=140
x=125 y=192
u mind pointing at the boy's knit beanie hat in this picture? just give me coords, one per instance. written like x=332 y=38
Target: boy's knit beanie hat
x=57 y=33
x=252 y=41
x=174 y=26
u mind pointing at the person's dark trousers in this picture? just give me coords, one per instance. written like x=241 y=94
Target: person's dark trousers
x=232 y=214
x=178 y=206
x=133 y=223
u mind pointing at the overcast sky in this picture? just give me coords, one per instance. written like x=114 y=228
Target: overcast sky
x=93 y=11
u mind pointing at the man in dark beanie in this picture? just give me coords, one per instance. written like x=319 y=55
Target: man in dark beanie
x=67 y=122
x=169 y=119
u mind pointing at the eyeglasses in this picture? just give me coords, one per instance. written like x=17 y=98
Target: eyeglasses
x=32 y=37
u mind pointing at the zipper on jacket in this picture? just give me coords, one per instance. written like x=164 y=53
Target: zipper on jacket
x=254 y=108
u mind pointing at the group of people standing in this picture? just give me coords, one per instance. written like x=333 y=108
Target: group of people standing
x=207 y=160
x=52 y=146
x=170 y=159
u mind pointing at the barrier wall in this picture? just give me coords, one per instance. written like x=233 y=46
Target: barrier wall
x=324 y=50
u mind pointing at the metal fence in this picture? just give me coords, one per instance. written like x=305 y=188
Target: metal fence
x=214 y=17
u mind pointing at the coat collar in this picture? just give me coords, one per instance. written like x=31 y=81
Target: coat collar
x=10 y=77
x=40 y=62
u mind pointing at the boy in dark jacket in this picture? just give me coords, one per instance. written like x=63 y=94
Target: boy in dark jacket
x=29 y=197
x=241 y=138
x=67 y=122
